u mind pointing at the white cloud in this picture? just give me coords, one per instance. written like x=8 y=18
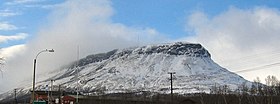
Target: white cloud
x=8 y=14
x=43 y=6
x=74 y=23
x=19 y=36
x=7 y=26
x=12 y=51
x=240 y=39
x=14 y=2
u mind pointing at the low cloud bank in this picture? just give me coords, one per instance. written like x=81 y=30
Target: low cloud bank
x=240 y=39
x=73 y=24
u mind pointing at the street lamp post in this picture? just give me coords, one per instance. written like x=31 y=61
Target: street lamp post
x=33 y=84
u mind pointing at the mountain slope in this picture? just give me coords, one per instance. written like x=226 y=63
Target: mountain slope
x=145 y=69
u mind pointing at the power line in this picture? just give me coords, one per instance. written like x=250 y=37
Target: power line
x=257 y=68
x=249 y=62
x=252 y=69
x=240 y=71
x=255 y=56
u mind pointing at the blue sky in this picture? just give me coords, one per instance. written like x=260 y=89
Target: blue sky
x=239 y=34
x=166 y=16
x=169 y=16
x=26 y=15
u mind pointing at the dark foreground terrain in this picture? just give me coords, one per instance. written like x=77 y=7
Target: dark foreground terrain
x=145 y=98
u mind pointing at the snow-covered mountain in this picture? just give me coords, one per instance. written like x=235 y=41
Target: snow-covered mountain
x=145 y=69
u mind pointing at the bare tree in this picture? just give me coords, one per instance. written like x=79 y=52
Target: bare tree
x=257 y=80
x=277 y=88
x=244 y=88
x=274 y=81
x=257 y=86
x=268 y=80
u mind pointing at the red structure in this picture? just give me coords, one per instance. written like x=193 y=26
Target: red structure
x=56 y=98
x=68 y=100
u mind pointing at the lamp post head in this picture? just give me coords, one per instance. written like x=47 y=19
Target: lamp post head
x=171 y=72
x=51 y=50
x=46 y=50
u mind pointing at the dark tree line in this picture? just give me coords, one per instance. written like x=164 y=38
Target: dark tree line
x=270 y=88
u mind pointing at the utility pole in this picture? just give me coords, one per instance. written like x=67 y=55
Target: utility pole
x=77 y=76
x=47 y=86
x=15 y=96
x=171 y=84
x=59 y=94
x=51 y=99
